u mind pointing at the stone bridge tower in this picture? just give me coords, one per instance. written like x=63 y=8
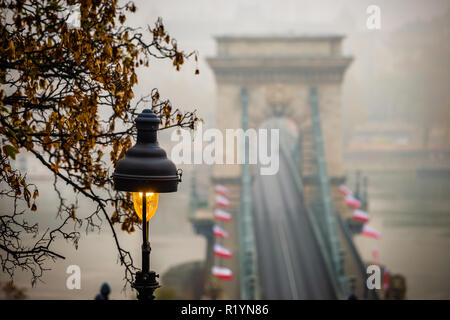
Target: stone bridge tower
x=278 y=73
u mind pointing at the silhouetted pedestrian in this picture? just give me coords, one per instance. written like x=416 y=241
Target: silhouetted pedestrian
x=352 y=297
x=104 y=292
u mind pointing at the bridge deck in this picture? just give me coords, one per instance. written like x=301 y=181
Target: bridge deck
x=290 y=263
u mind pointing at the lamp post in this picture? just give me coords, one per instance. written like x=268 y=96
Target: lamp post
x=146 y=171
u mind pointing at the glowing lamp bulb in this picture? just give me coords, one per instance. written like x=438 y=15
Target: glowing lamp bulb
x=152 y=203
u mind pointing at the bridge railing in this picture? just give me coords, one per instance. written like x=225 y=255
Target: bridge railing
x=354 y=265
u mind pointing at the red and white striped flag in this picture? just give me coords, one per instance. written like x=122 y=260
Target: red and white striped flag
x=360 y=215
x=222 y=251
x=344 y=190
x=222 y=215
x=222 y=273
x=370 y=232
x=351 y=201
x=219 y=232
x=222 y=190
x=221 y=201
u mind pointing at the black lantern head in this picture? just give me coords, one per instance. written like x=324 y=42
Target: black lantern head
x=146 y=167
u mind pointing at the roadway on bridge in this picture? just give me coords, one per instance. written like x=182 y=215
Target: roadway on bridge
x=289 y=258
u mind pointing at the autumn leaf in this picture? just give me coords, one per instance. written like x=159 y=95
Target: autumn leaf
x=10 y=151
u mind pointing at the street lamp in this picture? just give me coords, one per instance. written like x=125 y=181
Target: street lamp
x=146 y=171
